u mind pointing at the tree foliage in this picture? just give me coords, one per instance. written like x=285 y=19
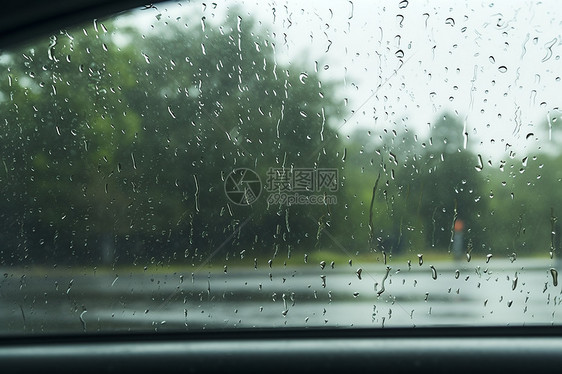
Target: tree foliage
x=117 y=143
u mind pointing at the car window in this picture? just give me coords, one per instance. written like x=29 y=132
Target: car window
x=200 y=165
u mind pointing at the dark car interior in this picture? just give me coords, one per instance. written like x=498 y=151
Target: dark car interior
x=510 y=349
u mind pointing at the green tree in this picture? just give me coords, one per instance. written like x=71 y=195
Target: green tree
x=120 y=150
x=450 y=187
x=425 y=184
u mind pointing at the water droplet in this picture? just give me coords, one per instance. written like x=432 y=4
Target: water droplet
x=420 y=259
x=51 y=49
x=322 y=264
x=358 y=272
x=488 y=257
x=382 y=282
x=433 y=272
x=514 y=282
x=146 y=58
x=492 y=59
x=133 y=160
x=403 y=4
x=302 y=77
x=502 y=69
x=239 y=24
x=554 y=274
x=355 y=294
x=426 y=15
x=480 y=165
x=457 y=274
x=171 y=113
x=509 y=303
x=323 y=277
x=82 y=321
x=399 y=53
x=450 y=21
x=468 y=256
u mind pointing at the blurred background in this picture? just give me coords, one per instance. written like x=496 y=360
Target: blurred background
x=439 y=125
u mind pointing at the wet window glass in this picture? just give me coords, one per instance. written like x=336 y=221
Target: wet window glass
x=189 y=166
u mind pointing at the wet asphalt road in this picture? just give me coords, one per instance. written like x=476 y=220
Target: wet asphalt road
x=477 y=293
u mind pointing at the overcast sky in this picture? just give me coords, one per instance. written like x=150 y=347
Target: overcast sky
x=402 y=64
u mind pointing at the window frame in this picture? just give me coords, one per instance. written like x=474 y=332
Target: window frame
x=439 y=349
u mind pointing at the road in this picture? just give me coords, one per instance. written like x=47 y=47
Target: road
x=477 y=293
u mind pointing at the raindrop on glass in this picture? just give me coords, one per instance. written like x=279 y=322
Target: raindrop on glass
x=433 y=272
x=403 y=4
x=554 y=274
